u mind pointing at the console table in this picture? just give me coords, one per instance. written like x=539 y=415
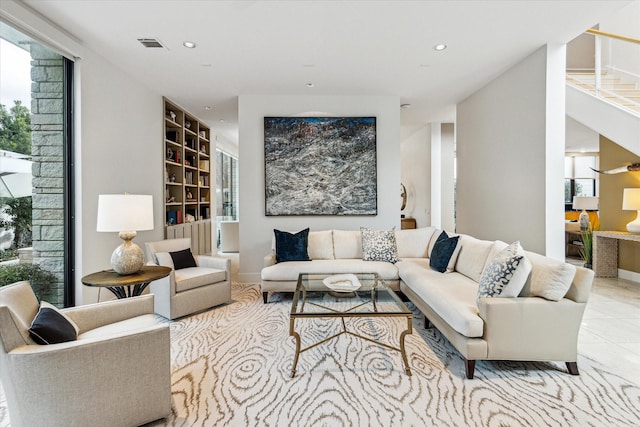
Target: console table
x=605 y=251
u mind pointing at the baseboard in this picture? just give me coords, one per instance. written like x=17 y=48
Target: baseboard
x=629 y=275
x=249 y=278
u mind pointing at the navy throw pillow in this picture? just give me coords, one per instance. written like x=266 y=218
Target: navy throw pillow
x=183 y=259
x=442 y=251
x=50 y=326
x=292 y=247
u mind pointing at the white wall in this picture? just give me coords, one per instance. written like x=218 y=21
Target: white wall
x=255 y=228
x=503 y=141
x=447 y=200
x=121 y=151
x=416 y=172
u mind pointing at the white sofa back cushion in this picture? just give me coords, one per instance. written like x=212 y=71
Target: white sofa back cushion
x=432 y=241
x=320 y=245
x=550 y=279
x=473 y=256
x=414 y=243
x=347 y=244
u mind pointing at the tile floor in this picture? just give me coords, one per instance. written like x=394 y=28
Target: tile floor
x=610 y=332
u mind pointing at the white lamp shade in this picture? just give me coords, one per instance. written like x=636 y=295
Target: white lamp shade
x=585 y=203
x=125 y=212
x=631 y=199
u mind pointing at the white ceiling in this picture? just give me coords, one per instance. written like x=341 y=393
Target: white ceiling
x=342 y=47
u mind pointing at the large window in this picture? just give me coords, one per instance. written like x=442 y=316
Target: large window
x=580 y=177
x=36 y=227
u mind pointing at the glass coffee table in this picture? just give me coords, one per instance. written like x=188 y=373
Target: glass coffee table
x=314 y=299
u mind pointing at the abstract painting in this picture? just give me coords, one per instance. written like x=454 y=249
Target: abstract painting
x=320 y=166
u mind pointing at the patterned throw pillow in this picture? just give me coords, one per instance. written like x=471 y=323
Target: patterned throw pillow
x=506 y=274
x=379 y=245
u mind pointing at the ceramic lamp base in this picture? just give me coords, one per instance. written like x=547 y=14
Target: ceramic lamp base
x=127 y=258
x=634 y=226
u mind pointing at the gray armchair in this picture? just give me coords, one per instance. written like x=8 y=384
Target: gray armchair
x=188 y=290
x=118 y=371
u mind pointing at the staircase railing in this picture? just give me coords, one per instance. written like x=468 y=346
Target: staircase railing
x=614 y=55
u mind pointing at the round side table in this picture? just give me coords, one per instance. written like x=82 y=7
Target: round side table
x=130 y=285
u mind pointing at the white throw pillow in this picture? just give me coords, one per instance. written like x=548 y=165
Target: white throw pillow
x=506 y=274
x=164 y=259
x=550 y=278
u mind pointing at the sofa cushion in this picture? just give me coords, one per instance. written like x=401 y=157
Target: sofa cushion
x=51 y=326
x=118 y=328
x=320 y=245
x=444 y=253
x=379 y=245
x=288 y=271
x=347 y=244
x=414 y=243
x=183 y=259
x=506 y=274
x=292 y=247
x=452 y=296
x=194 y=277
x=434 y=238
x=473 y=256
x=549 y=279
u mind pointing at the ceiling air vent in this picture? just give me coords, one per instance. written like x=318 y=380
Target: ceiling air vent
x=150 y=43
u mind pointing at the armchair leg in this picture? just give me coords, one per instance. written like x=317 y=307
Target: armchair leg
x=572 y=367
x=265 y=297
x=469 y=367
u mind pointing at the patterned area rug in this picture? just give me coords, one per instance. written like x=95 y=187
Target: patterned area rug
x=231 y=367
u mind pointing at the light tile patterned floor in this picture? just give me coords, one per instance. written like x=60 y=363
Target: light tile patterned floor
x=610 y=331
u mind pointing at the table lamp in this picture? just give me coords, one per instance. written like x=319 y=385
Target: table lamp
x=125 y=214
x=631 y=202
x=585 y=203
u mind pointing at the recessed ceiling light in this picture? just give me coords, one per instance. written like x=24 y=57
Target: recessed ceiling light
x=405 y=106
x=189 y=45
x=310 y=85
x=208 y=108
x=221 y=120
x=440 y=47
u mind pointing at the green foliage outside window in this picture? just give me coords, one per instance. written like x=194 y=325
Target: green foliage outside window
x=41 y=280
x=15 y=128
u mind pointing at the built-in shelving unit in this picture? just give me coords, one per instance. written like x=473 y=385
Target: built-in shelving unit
x=187 y=165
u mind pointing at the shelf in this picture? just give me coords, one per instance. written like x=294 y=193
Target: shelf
x=185 y=144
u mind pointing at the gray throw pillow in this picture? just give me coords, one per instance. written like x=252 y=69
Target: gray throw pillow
x=379 y=245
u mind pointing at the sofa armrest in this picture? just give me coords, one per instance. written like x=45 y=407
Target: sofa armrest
x=92 y=316
x=269 y=259
x=214 y=262
x=531 y=328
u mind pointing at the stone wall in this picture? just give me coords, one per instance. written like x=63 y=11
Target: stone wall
x=47 y=149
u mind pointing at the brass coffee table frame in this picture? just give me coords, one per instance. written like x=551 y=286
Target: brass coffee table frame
x=301 y=293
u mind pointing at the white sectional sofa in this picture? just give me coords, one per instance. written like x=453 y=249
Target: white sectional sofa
x=541 y=324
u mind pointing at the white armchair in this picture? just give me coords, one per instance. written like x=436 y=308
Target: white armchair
x=192 y=289
x=118 y=371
